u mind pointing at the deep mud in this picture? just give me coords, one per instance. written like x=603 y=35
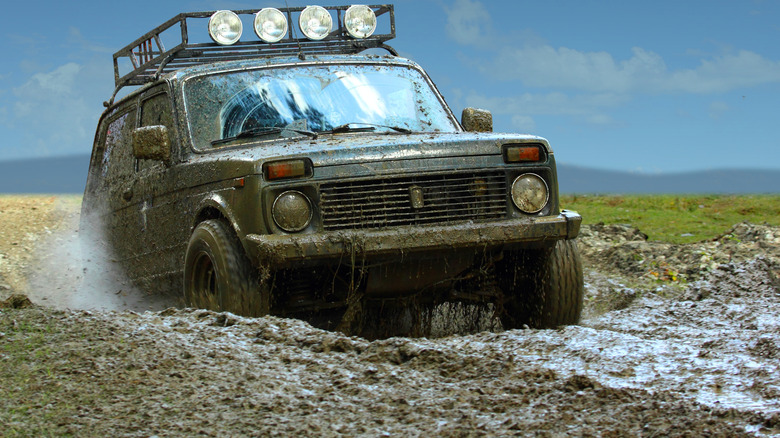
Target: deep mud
x=677 y=340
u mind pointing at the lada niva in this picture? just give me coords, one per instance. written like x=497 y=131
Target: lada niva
x=297 y=172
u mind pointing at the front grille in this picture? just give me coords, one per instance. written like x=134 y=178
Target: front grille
x=387 y=202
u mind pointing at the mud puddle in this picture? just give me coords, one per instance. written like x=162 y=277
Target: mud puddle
x=654 y=356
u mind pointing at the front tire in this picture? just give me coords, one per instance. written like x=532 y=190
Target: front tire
x=542 y=288
x=219 y=276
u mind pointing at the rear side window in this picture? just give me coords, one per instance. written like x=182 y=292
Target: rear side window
x=118 y=157
x=112 y=157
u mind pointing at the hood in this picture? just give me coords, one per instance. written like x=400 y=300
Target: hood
x=343 y=149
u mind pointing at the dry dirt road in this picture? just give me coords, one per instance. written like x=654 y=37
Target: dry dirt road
x=677 y=340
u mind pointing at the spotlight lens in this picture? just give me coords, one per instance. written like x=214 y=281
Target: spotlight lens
x=315 y=22
x=270 y=25
x=360 y=21
x=225 y=27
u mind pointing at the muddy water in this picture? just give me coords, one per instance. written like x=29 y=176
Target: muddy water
x=649 y=358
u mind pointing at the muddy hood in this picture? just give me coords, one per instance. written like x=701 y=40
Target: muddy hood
x=344 y=149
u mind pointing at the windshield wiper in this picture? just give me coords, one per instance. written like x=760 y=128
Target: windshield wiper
x=368 y=127
x=263 y=130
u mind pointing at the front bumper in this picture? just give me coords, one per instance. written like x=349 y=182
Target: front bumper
x=279 y=251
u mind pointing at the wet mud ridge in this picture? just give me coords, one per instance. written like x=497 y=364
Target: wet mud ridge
x=677 y=340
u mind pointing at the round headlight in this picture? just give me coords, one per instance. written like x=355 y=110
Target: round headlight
x=360 y=21
x=315 y=22
x=270 y=25
x=530 y=193
x=225 y=27
x=292 y=211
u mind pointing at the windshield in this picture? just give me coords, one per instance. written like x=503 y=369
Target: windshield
x=312 y=98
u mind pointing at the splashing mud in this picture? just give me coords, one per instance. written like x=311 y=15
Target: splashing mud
x=69 y=272
x=677 y=340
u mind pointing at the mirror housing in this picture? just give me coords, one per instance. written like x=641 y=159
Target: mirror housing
x=152 y=143
x=477 y=120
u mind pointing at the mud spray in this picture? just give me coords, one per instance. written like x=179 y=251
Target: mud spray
x=73 y=269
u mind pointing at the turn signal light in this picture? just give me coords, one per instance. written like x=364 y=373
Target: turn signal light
x=523 y=154
x=287 y=169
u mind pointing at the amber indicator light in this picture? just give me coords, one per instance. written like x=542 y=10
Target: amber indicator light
x=286 y=169
x=515 y=154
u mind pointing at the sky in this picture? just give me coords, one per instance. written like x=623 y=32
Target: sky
x=660 y=86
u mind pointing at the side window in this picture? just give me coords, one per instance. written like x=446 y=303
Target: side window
x=118 y=160
x=156 y=110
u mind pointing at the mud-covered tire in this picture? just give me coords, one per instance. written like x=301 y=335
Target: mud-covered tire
x=219 y=276
x=542 y=288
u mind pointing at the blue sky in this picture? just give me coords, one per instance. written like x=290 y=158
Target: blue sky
x=661 y=86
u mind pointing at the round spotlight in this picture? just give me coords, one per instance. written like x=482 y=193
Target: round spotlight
x=270 y=25
x=530 y=193
x=315 y=22
x=225 y=27
x=292 y=211
x=360 y=21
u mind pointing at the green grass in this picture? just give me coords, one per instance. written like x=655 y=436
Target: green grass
x=676 y=218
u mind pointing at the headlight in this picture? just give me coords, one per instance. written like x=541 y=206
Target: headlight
x=530 y=193
x=225 y=27
x=360 y=21
x=315 y=22
x=270 y=25
x=292 y=211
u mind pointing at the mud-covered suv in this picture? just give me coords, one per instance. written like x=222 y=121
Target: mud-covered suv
x=298 y=177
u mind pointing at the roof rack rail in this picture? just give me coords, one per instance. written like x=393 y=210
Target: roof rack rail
x=149 y=58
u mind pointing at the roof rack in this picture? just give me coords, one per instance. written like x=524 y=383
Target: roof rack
x=149 y=58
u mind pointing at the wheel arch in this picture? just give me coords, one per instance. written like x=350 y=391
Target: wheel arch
x=216 y=207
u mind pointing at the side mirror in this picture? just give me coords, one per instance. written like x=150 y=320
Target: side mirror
x=477 y=120
x=152 y=143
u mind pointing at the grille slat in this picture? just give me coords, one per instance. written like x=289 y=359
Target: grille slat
x=429 y=213
x=386 y=202
x=385 y=222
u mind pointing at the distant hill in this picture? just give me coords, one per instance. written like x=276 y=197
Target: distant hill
x=574 y=179
x=44 y=175
x=69 y=174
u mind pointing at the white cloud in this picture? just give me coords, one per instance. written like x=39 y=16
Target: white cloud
x=725 y=73
x=717 y=109
x=43 y=88
x=55 y=112
x=587 y=108
x=644 y=72
x=76 y=38
x=523 y=123
x=538 y=64
x=468 y=23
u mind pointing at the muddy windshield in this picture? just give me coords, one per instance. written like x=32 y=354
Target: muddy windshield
x=293 y=101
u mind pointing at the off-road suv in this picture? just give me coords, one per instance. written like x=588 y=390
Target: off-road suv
x=290 y=174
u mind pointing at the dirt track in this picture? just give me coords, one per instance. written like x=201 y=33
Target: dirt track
x=678 y=340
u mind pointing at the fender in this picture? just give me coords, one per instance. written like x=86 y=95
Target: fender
x=216 y=201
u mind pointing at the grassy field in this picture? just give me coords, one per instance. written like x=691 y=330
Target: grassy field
x=676 y=218
x=669 y=218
